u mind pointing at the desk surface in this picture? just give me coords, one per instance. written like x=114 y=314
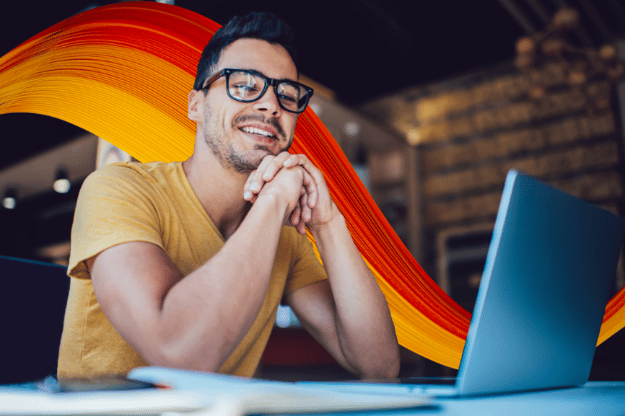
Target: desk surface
x=195 y=391
x=595 y=398
x=604 y=398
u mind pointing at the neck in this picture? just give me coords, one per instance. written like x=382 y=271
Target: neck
x=219 y=190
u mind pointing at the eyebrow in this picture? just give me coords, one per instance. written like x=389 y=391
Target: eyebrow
x=266 y=76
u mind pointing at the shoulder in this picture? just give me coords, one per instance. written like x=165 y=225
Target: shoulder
x=147 y=171
x=132 y=175
x=124 y=186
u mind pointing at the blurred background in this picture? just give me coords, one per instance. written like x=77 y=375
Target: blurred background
x=432 y=102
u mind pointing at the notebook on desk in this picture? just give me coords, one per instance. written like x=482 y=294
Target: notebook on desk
x=542 y=297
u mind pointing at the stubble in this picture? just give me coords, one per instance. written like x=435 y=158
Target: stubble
x=225 y=150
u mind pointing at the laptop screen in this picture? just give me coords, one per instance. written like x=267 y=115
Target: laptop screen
x=543 y=293
x=32 y=306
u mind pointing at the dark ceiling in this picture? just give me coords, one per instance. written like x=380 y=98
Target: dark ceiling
x=360 y=49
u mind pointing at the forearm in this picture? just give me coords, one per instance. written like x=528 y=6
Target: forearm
x=206 y=315
x=364 y=327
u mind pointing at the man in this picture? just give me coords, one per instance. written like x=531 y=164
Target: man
x=184 y=264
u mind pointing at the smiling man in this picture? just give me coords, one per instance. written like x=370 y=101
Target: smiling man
x=184 y=264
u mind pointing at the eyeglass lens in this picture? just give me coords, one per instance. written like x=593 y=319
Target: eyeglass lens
x=246 y=86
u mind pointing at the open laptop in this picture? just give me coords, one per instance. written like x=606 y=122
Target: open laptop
x=546 y=282
x=32 y=306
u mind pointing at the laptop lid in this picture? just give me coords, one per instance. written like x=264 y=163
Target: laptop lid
x=32 y=306
x=544 y=289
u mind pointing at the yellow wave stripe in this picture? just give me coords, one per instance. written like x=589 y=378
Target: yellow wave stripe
x=80 y=91
x=413 y=328
x=123 y=72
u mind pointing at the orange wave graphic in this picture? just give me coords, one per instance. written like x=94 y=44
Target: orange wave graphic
x=123 y=72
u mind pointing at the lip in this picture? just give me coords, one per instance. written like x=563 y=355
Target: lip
x=264 y=127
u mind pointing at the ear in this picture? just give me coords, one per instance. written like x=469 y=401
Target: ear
x=194 y=107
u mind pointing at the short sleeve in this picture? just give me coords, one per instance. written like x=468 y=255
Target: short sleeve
x=306 y=268
x=116 y=204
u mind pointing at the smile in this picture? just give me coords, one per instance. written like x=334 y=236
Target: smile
x=257 y=131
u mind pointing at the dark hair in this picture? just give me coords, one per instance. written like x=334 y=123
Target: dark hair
x=264 y=26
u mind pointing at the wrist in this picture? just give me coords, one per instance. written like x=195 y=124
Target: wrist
x=272 y=202
x=328 y=231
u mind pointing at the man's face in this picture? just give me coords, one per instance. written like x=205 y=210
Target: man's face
x=241 y=134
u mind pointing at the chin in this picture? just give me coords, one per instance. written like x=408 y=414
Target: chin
x=248 y=162
x=260 y=151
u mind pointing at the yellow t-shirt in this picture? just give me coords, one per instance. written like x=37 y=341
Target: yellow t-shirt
x=154 y=202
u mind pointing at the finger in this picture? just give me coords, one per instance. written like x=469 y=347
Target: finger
x=304 y=162
x=274 y=166
x=247 y=193
x=306 y=214
x=292 y=160
x=256 y=181
x=298 y=223
x=311 y=189
x=297 y=159
x=301 y=204
x=295 y=216
x=301 y=228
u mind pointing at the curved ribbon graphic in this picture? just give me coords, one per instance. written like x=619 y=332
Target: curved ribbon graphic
x=123 y=73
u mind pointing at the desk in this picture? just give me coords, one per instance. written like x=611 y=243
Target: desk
x=196 y=391
x=595 y=398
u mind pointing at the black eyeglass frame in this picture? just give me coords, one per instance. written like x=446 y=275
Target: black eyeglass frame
x=268 y=81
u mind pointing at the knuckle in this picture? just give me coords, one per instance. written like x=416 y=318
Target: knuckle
x=267 y=159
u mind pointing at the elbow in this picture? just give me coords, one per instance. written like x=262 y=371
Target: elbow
x=387 y=369
x=160 y=354
x=390 y=362
x=383 y=365
x=170 y=357
x=391 y=368
x=174 y=354
x=380 y=360
x=187 y=348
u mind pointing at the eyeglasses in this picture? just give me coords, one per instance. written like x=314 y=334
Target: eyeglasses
x=246 y=85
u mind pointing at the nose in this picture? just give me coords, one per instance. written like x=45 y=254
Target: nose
x=268 y=102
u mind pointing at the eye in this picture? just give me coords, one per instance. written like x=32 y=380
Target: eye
x=285 y=97
x=244 y=85
x=288 y=92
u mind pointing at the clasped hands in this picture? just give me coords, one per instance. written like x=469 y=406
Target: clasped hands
x=294 y=177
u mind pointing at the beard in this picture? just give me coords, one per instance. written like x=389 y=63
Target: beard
x=231 y=159
x=228 y=155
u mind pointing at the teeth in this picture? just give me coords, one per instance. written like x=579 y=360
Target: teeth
x=254 y=130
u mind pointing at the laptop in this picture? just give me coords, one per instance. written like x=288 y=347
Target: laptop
x=32 y=304
x=546 y=282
